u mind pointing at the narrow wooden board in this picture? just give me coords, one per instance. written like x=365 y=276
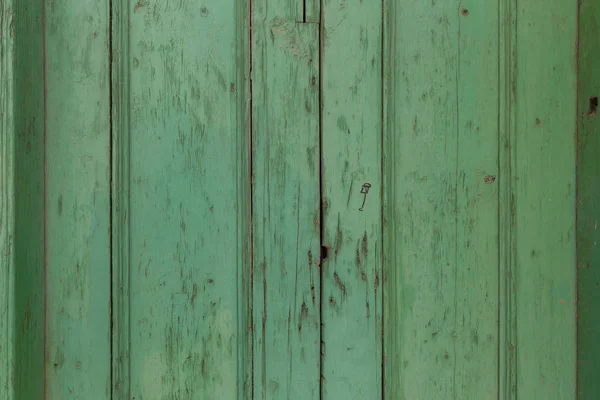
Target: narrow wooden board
x=588 y=207
x=77 y=199
x=507 y=61
x=285 y=202
x=476 y=275
x=7 y=200
x=186 y=153
x=544 y=187
x=441 y=200
x=29 y=304
x=352 y=184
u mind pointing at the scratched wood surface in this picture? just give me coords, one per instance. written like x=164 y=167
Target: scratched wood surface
x=442 y=201
x=77 y=198
x=351 y=183
x=588 y=207
x=186 y=207
x=298 y=199
x=61 y=249
x=285 y=201
x=543 y=188
x=458 y=249
x=476 y=275
x=507 y=62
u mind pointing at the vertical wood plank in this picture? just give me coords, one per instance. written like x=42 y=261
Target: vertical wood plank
x=245 y=321
x=544 y=191
x=312 y=11
x=77 y=199
x=476 y=278
x=121 y=180
x=507 y=327
x=7 y=198
x=286 y=206
x=352 y=143
x=588 y=208
x=441 y=200
x=29 y=304
x=187 y=164
x=422 y=160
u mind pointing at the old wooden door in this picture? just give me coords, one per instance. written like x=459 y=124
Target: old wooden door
x=299 y=199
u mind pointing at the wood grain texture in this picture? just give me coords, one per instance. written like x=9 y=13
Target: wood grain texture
x=29 y=305
x=312 y=11
x=77 y=196
x=476 y=274
x=286 y=206
x=441 y=150
x=121 y=181
x=544 y=199
x=507 y=61
x=352 y=144
x=182 y=210
x=441 y=218
x=588 y=208
x=186 y=212
x=7 y=201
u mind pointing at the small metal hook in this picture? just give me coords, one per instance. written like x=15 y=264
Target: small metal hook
x=364 y=190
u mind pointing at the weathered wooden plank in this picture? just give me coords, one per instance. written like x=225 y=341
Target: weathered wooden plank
x=244 y=199
x=29 y=306
x=121 y=181
x=475 y=333
x=351 y=184
x=7 y=201
x=441 y=200
x=507 y=62
x=187 y=153
x=77 y=199
x=286 y=206
x=544 y=199
x=588 y=207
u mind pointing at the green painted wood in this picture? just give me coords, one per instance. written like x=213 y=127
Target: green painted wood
x=61 y=167
x=507 y=62
x=543 y=190
x=311 y=10
x=476 y=267
x=7 y=198
x=202 y=241
x=77 y=199
x=28 y=244
x=440 y=169
x=285 y=202
x=183 y=243
x=352 y=145
x=588 y=193
x=120 y=290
